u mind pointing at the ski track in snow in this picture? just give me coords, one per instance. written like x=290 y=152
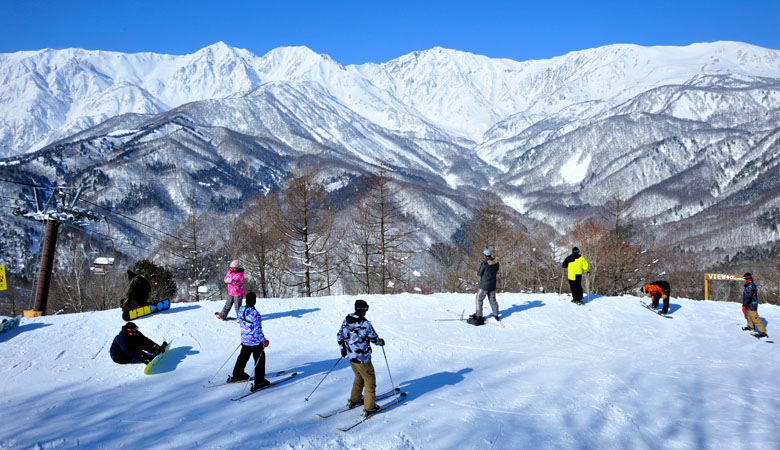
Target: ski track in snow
x=604 y=375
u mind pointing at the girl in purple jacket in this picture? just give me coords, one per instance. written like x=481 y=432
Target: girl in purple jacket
x=253 y=342
x=234 y=278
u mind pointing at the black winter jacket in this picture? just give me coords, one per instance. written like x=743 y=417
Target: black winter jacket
x=127 y=347
x=487 y=274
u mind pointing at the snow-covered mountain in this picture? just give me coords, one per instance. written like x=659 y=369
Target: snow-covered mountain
x=683 y=134
x=610 y=374
x=50 y=94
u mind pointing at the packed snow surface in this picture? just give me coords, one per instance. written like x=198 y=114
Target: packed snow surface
x=608 y=375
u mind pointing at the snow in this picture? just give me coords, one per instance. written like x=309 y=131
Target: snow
x=575 y=169
x=606 y=375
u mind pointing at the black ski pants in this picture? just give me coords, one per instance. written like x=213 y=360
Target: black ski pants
x=576 y=288
x=657 y=298
x=258 y=354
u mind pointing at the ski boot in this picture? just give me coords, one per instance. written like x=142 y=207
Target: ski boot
x=263 y=383
x=368 y=412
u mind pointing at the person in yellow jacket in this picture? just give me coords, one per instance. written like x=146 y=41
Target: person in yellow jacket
x=575 y=264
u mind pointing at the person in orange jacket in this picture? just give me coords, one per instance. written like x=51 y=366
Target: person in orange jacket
x=657 y=291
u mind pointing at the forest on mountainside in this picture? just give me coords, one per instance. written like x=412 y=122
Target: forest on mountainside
x=303 y=241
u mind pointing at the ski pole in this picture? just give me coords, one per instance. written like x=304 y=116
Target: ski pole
x=223 y=364
x=587 y=285
x=560 y=288
x=323 y=378
x=388 y=368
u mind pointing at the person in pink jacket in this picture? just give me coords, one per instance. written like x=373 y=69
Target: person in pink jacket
x=234 y=278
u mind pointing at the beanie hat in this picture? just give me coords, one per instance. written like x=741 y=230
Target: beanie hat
x=487 y=252
x=251 y=299
x=575 y=250
x=361 y=305
x=234 y=263
x=748 y=275
x=130 y=327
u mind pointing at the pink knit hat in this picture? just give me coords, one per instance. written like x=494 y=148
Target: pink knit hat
x=234 y=263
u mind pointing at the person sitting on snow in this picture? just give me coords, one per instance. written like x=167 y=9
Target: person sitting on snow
x=130 y=346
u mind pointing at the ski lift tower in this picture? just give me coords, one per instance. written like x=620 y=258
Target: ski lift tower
x=53 y=214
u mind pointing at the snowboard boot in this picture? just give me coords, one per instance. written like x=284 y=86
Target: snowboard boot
x=760 y=335
x=368 y=412
x=476 y=317
x=747 y=329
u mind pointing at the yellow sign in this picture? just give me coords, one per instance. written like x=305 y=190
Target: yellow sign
x=3 y=284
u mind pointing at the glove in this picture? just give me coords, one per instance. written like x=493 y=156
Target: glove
x=229 y=280
x=380 y=342
x=266 y=343
x=343 y=353
x=744 y=310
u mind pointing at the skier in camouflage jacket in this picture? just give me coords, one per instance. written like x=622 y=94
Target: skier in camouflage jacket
x=355 y=337
x=750 y=306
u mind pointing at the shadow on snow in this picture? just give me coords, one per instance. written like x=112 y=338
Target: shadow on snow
x=519 y=308
x=13 y=332
x=429 y=383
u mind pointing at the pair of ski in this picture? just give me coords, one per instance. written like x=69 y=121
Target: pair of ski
x=460 y=317
x=464 y=319
x=275 y=378
x=657 y=312
x=212 y=384
x=396 y=392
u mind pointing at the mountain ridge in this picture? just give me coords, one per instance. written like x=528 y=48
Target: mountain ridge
x=556 y=138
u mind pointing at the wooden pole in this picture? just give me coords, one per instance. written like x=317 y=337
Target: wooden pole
x=47 y=263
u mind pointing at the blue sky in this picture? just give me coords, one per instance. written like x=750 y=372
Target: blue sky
x=354 y=32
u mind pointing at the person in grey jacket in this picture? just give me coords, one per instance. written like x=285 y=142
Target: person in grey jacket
x=487 y=284
x=355 y=337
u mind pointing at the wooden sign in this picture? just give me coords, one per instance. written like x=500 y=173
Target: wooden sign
x=718 y=277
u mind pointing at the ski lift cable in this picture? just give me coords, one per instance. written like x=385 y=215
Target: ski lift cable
x=132 y=220
x=27 y=184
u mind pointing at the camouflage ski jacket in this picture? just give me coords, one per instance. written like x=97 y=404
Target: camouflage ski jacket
x=355 y=336
x=750 y=296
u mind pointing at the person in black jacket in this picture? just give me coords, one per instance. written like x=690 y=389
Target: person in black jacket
x=130 y=346
x=575 y=265
x=487 y=284
x=750 y=307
